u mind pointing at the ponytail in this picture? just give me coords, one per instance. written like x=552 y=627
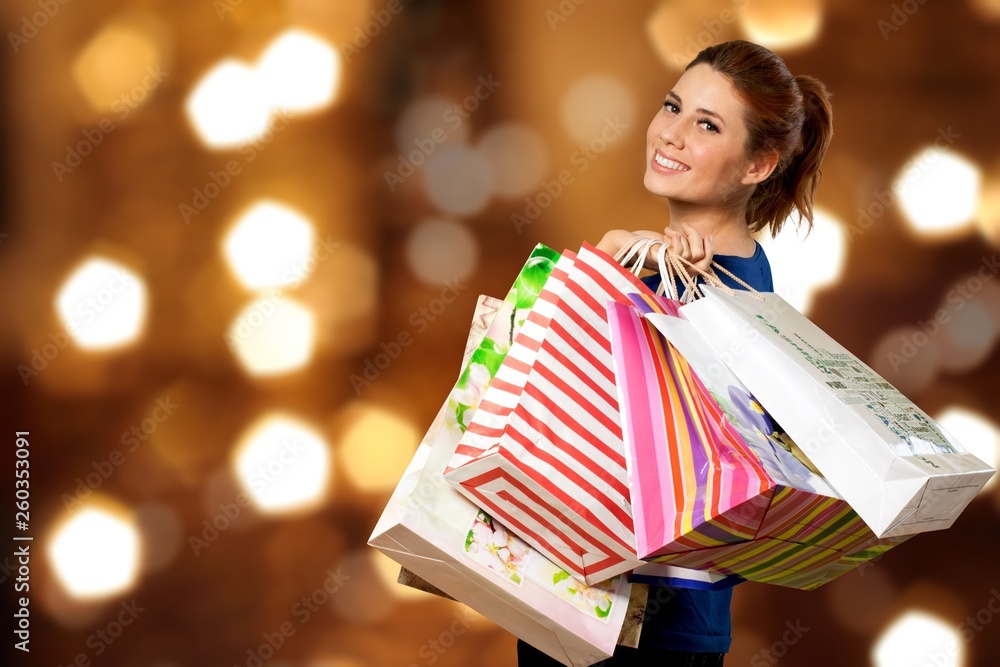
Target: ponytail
x=790 y=115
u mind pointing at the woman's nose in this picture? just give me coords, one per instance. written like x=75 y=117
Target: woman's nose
x=671 y=133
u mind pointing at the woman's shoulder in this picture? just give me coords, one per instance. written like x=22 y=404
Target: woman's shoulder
x=754 y=270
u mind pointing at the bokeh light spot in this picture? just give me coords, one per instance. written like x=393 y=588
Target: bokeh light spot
x=677 y=33
x=908 y=358
x=967 y=337
x=517 y=156
x=102 y=304
x=917 y=639
x=804 y=263
x=938 y=191
x=458 y=180
x=595 y=104
x=229 y=105
x=283 y=464
x=388 y=572
x=363 y=598
x=375 y=447
x=988 y=215
x=424 y=118
x=439 y=250
x=988 y=10
x=273 y=335
x=270 y=246
x=782 y=24
x=95 y=553
x=162 y=534
x=300 y=72
x=861 y=601
x=118 y=69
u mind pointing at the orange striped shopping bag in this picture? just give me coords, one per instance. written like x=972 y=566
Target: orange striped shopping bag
x=716 y=484
x=544 y=452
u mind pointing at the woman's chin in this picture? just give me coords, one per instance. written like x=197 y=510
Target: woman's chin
x=655 y=184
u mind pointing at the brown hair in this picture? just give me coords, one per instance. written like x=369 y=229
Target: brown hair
x=788 y=114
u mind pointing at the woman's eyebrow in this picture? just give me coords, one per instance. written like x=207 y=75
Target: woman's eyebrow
x=707 y=112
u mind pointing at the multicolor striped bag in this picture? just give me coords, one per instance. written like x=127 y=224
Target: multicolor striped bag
x=715 y=483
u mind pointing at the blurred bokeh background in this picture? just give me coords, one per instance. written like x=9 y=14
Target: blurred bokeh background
x=233 y=224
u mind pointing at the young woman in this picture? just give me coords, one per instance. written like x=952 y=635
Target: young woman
x=736 y=147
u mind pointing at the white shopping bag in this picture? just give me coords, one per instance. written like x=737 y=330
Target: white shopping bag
x=896 y=466
x=443 y=538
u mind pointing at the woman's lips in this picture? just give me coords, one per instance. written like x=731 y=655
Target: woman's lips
x=665 y=168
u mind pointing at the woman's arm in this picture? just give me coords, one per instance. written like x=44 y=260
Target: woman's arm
x=616 y=239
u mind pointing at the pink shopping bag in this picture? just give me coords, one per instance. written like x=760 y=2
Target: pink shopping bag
x=694 y=482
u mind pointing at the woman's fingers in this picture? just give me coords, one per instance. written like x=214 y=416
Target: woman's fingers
x=702 y=248
x=689 y=244
x=679 y=243
x=695 y=242
x=706 y=262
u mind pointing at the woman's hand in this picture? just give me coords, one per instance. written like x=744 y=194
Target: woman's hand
x=690 y=245
x=687 y=243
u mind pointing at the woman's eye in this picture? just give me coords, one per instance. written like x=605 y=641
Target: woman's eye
x=674 y=109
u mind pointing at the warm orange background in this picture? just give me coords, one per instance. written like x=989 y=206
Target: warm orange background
x=893 y=91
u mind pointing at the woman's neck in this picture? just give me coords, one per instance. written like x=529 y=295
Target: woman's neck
x=730 y=234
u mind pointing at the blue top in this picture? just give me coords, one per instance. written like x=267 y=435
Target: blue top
x=755 y=271
x=682 y=619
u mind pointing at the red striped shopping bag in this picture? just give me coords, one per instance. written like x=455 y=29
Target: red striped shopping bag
x=483 y=433
x=544 y=453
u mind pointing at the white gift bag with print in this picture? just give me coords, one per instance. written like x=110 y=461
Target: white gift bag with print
x=896 y=466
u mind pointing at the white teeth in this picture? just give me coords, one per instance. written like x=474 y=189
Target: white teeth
x=669 y=164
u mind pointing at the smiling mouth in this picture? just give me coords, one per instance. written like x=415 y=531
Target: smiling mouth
x=667 y=163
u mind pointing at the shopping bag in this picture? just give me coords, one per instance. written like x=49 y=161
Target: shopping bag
x=694 y=482
x=899 y=470
x=477 y=457
x=450 y=543
x=494 y=407
x=546 y=456
x=803 y=535
x=502 y=395
x=458 y=549
x=486 y=310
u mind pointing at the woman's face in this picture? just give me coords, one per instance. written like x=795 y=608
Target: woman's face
x=695 y=143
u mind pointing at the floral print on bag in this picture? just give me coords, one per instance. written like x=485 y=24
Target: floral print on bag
x=490 y=544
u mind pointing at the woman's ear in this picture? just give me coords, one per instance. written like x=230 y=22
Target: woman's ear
x=760 y=169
